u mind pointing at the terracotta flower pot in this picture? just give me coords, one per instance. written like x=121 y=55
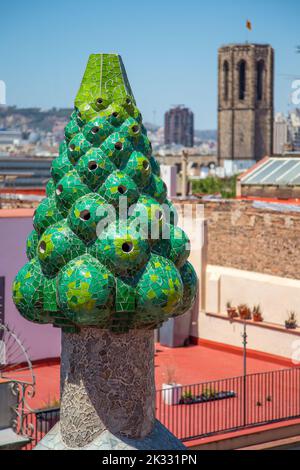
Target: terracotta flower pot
x=232 y=312
x=244 y=312
x=257 y=318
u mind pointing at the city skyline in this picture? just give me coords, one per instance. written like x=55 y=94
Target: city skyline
x=150 y=41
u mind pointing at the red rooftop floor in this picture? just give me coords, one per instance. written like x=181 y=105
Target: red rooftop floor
x=205 y=363
x=191 y=365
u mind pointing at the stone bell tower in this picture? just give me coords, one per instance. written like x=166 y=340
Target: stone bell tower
x=245 y=102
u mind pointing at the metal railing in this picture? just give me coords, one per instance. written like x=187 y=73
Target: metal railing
x=210 y=408
x=37 y=424
x=231 y=404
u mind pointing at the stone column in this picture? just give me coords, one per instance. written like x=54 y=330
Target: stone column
x=107 y=383
x=184 y=161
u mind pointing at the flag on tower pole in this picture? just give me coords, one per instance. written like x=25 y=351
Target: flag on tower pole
x=249 y=25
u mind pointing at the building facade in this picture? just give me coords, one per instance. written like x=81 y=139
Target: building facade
x=245 y=102
x=280 y=140
x=179 y=126
x=294 y=129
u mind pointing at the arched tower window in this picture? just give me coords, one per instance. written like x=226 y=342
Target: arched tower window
x=226 y=80
x=242 y=79
x=260 y=68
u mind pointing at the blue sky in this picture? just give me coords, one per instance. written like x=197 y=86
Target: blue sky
x=169 y=48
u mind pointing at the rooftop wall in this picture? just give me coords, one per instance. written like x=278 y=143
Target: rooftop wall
x=244 y=237
x=42 y=342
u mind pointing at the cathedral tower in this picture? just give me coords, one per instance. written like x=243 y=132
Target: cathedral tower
x=245 y=102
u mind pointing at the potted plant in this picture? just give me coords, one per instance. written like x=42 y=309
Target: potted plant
x=208 y=394
x=187 y=398
x=231 y=311
x=171 y=390
x=244 y=312
x=257 y=314
x=291 y=322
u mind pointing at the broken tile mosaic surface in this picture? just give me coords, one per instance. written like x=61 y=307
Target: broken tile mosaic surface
x=89 y=264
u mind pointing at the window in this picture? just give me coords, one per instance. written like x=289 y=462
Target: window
x=226 y=80
x=260 y=68
x=242 y=79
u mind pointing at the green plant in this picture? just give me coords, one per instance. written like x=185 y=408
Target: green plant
x=231 y=311
x=257 y=313
x=226 y=187
x=209 y=392
x=291 y=323
x=187 y=396
x=51 y=403
x=244 y=312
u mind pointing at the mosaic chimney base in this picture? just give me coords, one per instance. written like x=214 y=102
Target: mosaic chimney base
x=108 y=394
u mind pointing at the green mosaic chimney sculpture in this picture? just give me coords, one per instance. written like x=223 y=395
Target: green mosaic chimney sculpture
x=121 y=278
x=108 y=265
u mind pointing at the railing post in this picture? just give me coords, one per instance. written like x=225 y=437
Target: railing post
x=245 y=373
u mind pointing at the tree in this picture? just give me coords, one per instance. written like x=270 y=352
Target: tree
x=91 y=263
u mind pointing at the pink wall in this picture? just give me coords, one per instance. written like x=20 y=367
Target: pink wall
x=42 y=341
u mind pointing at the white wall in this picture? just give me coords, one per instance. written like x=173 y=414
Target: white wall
x=276 y=295
x=42 y=341
x=169 y=176
x=283 y=344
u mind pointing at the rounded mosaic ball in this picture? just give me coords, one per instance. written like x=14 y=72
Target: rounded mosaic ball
x=154 y=166
x=57 y=246
x=171 y=215
x=119 y=185
x=31 y=245
x=97 y=130
x=62 y=147
x=139 y=169
x=28 y=292
x=117 y=148
x=143 y=145
x=45 y=215
x=71 y=129
x=148 y=216
x=131 y=128
x=50 y=188
x=159 y=291
x=174 y=244
x=68 y=190
x=94 y=167
x=157 y=189
x=60 y=166
x=85 y=215
x=86 y=292
x=190 y=288
x=122 y=249
x=77 y=147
